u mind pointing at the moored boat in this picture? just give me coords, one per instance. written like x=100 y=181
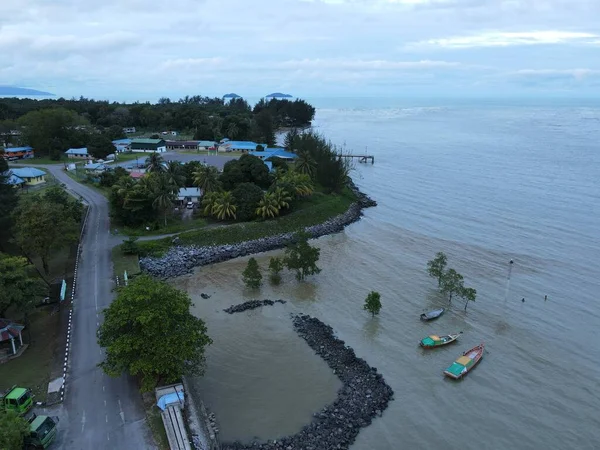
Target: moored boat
x=465 y=363
x=432 y=314
x=433 y=340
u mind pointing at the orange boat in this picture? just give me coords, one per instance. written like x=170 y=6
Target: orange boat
x=465 y=363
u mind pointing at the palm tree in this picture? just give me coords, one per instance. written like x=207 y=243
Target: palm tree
x=224 y=207
x=232 y=131
x=163 y=194
x=299 y=184
x=175 y=174
x=155 y=163
x=305 y=163
x=282 y=198
x=208 y=202
x=268 y=206
x=207 y=179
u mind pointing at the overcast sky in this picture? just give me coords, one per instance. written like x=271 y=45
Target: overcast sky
x=144 y=49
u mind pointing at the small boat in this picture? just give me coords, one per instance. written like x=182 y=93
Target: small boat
x=433 y=314
x=465 y=363
x=433 y=340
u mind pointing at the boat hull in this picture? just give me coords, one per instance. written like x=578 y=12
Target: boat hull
x=463 y=365
x=428 y=342
x=432 y=315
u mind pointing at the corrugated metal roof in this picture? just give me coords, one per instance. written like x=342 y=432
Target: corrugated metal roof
x=14 y=180
x=122 y=141
x=94 y=166
x=9 y=329
x=189 y=192
x=28 y=172
x=147 y=141
x=77 y=151
x=206 y=143
x=17 y=149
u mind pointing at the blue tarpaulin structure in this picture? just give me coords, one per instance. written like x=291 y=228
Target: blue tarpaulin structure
x=167 y=399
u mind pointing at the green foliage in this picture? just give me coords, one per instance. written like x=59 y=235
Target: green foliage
x=437 y=266
x=275 y=267
x=247 y=196
x=287 y=113
x=163 y=193
x=155 y=163
x=44 y=226
x=279 y=164
x=100 y=146
x=109 y=178
x=115 y=132
x=8 y=200
x=224 y=207
x=265 y=127
x=207 y=179
x=373 y=303
x=56 y=194
x=18 y=288
x=305 y=163
x=247 y=169
x=13 y=430
x=189 y=168
x=130 y=246
x=452 y=284
x=267 y=207
x=252 y=276
x=290 y=140
x=468 y=294
x=297 y=184
x=175 y=174
x=302 y=257
x=149 y=332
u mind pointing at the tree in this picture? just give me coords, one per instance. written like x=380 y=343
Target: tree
x=189 y=168
x=232 y=131
x=469 y=294
x=224 y=207
x=18 y=288
x=267 y=206
x=130 y=246
x=247 y=169
x=207 y=179
x=264 y=123
x=275 y=268
x=8 y=199
x=175 y=174
x=247 y=196
x=290 y=140
x=301 y=257
x=100 y=146
x=208 y=203
x=373 y=303
x=296 y=184
x=163 y=194
x=149 y=332
x=437 y=266
x=305 y=163
x=41 y=127
x=43 y=227
x=282 y=198
x=155 y=163
x=13 y=430
x=115 y=132
x=452 y=284
x=252 y=276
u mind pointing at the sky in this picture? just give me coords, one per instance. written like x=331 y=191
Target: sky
x=146 y=49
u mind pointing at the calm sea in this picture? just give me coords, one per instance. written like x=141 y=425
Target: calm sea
x=485 y=182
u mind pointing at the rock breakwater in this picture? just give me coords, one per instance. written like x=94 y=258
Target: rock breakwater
x=364 y=395
x=180 y=260
x=252 y=304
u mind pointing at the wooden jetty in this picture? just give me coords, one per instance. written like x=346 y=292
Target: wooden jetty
x=361 y=158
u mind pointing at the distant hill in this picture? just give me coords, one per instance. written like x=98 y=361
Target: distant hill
x=232 y=95
x=13 y=90
x=279 y=95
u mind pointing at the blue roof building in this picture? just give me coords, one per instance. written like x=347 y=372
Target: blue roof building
x=29 y=175
x=14 y=180
x=77 y=152
x=122 y=141
x=274 y=153
x=245 y=146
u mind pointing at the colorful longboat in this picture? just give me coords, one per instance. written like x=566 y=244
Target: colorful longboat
x=433 y=340
x=465 y=363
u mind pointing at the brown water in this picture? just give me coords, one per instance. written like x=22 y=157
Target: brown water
x=522 y=185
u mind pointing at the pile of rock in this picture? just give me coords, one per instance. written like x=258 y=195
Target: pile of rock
x=363 y=396
x=252 y=304
x=180 y=260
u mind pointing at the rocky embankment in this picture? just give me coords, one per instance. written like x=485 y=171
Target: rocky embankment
x=363 y=396
x=252 y=304
x=180 y=260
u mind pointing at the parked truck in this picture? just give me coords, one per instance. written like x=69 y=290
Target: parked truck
x=42 y=431
x=16 y=399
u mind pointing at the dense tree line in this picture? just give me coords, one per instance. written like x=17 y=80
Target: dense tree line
x=52 y=126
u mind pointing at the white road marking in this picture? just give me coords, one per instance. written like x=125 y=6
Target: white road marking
x=106 y=416
x=83 y=421
x=121 y=413
x=103 y=388
x=104 y=402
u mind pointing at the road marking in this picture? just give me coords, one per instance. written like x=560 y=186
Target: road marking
x=83 y=421
x=102 y=388
x=106 y=416
x=108 y=436
x=122 y=414
x=104 y=402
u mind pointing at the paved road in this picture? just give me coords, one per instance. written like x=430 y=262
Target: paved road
x=99 y=412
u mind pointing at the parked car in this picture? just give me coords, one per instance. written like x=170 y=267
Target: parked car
x=190 y=205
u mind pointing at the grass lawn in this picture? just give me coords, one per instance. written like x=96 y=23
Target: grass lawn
x=131 y=157
x=312 y=211
x=79 y=176
x=32 y=368
x=42 y=160
x=173 y=226
x=155 y=421
x=122 y=263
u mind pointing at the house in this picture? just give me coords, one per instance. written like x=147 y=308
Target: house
x=30 y=175
x=9 y=332
x=148 y=145
x=182 y=145
x=13 y=153
x=274 y=153
x=189 y=194
x=129 y=130
x=122 y=145
x=77 y=153
x=207 y=145
x=95 y=167
x=14 y=180
x=239 y=146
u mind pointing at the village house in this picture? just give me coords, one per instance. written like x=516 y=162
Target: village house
x=148 y=145
x=81 y=153
x=189 y=194
x=207 y=145
x=182 y=145
x=30 y=175
x=122 y=145
x=95 y=168
x=275 y=152
x=239 y=146
x=12 y=153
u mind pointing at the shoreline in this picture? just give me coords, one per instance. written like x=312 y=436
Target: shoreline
x=181 y=260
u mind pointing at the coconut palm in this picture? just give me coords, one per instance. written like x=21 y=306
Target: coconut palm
x=268 y=206
x=155 y=163
x=175 y=174
x=163 y=194
x=282 y=198
x=224 y=207
x=305 y=163
x=295 y=183
x=207 y=179
x=208 y=203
